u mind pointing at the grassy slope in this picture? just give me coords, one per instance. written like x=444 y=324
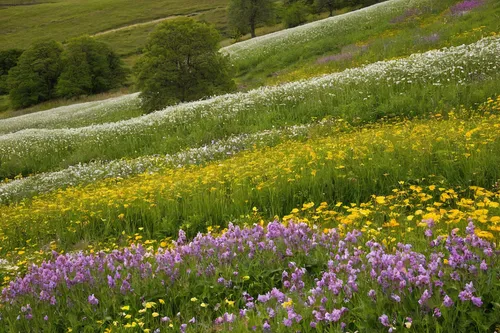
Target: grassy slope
x=386 y=40
x=61 y=19
x=383 y=34
x=407 y=90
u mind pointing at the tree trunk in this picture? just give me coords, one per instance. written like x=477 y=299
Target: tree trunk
x=252 y=29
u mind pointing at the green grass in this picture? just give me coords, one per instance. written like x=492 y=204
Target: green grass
x=7 y=112
x=20 y=26
x=366 y=98
x=345 y=167
x=375 y=38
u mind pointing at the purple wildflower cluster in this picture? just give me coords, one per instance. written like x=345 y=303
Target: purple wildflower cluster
x=424 y=281
x=465 y=6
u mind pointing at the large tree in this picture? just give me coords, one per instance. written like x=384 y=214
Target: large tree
x=34 y=78
x=181 y=62
x=245 y=15
x=90 y=67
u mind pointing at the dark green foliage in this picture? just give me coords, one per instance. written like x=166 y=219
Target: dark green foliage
x=331 y=5
x=296 y=14
x=245 y=15
x=8 y=59
x=90 y=67
x=182 y=63
x=34 y=78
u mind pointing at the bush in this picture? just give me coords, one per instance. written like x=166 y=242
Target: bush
x=90 y=67
x=182 y=63
x=8 y=59
x=295 y=14
x=34 y=78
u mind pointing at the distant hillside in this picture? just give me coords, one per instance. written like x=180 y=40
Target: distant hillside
x=24 y=22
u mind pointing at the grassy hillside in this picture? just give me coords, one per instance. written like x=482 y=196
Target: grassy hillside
x=384 y=89
x=61 y=19
x=384 y=31
x=366 y=200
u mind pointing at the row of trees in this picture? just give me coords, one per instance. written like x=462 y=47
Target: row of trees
x=245 y=15
x=48 y=70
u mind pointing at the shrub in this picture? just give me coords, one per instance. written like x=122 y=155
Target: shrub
x=90 y=67
x=34 y=78
x=8 y=59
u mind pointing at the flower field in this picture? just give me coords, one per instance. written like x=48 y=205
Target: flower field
x=366 y=200
x=383 y=89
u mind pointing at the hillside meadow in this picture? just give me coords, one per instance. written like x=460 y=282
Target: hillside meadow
x=362 y=195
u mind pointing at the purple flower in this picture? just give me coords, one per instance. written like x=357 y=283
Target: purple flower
x=384 y=320
x=448 y=302
x=437 y=312
x=477 y=301
x=425 y=296
x=396 y=298
x=93 y=300
x=465 y=6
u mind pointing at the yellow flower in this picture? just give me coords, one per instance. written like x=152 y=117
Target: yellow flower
x=150 y=305
x=408 y=324
x=142 y=310
x=121 y=216
x=230 y=303
x=287 y=304
x=245 y=278
x=484 y=234
x=155 y=314
x=203 y=305
x=194 y=299
x=125 y=308
x=161 y=301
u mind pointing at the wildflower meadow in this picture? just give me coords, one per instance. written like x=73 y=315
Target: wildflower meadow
x=366 y=199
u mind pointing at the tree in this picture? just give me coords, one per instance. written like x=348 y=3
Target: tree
x=34 y=78
x=181 y=62
x=90 y=67
x=8 y=60
x=330 y=5
x=295 y=13
x=245 y=15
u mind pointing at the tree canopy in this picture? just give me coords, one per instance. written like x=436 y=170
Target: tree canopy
x=89 y=67
x=34 y=78
x=8 y=59
x=245 y=15
x=181 y=62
